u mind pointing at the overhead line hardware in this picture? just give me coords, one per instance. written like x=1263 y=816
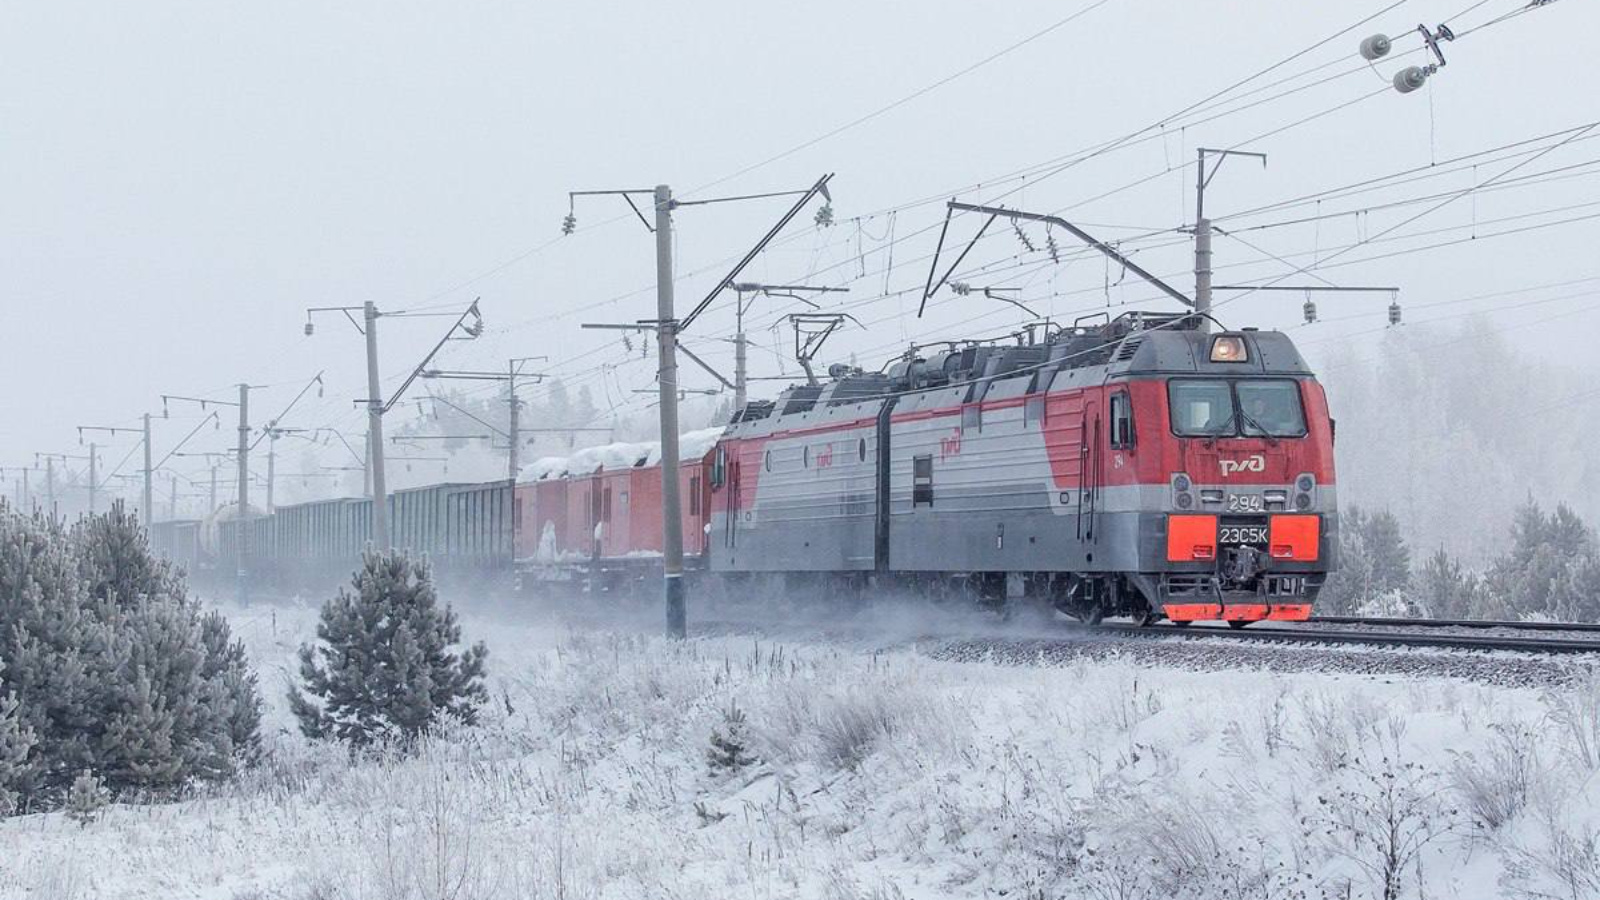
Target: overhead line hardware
x=1020 y=215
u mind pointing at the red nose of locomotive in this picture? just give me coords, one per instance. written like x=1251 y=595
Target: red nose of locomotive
x=1248 y=510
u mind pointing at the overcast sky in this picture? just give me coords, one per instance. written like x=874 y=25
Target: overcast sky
x=179 y=181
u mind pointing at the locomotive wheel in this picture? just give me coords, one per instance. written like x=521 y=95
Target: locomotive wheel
x=1093 y=615
x=1144 y=616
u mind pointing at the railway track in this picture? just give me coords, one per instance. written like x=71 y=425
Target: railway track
x=1374 y=638
x=1476 y=624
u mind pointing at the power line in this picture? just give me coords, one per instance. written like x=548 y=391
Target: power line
x=1058 y=24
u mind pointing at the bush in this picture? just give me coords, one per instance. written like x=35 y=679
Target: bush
x=385 y=670
x=111 y=667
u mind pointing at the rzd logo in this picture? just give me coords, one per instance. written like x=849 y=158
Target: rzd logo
x=1256 y=463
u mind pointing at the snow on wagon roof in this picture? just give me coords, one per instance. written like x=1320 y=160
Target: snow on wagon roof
x=621 y=455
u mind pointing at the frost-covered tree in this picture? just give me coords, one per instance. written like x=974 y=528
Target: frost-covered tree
x=15 y=742
x=1445 y=590
x=1551 y=567
x=386 y=668
x=1374 y=565
x=114 y=669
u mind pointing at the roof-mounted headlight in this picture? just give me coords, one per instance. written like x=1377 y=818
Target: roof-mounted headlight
x=1229 y=348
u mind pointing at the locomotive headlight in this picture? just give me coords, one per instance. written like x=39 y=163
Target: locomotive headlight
x=1229 y=348
x=1304 y=484
x=1182 y=490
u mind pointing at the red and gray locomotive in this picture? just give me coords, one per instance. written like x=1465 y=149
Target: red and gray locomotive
x=1145 y=466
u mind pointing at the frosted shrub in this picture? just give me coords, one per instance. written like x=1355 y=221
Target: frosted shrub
x=110 y=666
x=1576 y=712
x=86 y=798
x=386 y=669
x=1380 y=819
x=849 y=724
x=1494 y=785
x=730 y=744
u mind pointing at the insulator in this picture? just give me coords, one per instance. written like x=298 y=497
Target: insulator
x=1410 y=78
x=310 y=328
x=1394 y=313
x=1310 y=311
x=569 y=224
x=824 y=216
x=1022 y=236
x=1376 y=47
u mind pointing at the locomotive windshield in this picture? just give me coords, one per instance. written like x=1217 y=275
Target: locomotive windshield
x=1252 y=407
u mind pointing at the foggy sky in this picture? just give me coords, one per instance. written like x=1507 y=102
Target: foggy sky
x=178 y=181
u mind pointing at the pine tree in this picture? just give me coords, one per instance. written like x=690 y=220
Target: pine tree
x=115 y=563
x=86 y=798
x=1374 y=565
x=15 y=742
x=1445 y=590
x=385 y=669
x=113 y=668
x=1551 y=567
x=730 y=744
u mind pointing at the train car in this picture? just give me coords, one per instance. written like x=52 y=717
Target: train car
x=482 y=526
x=542 y=520
x=595 y=517
x=1145 y=467
x=179 y=541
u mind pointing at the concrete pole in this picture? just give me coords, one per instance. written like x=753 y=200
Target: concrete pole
x=27 y=492
x=212 y=508
x=94 y=476
x=1202 y=245
x=666 y=345
x=148 y=507
x=380 y=494
x=739 y=355
x=272 y=459
x=242 y=544
x=515 y=430
x=172 y=507
x=50 y=487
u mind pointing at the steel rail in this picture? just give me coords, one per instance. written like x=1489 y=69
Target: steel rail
x=1455 y=623
x=1367 y=638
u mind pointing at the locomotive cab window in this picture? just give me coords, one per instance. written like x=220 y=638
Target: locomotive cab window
x=1248 y=407
x=1121 y=420
x=1271 y=407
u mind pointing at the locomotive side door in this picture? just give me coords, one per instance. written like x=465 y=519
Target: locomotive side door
x=1089 y=470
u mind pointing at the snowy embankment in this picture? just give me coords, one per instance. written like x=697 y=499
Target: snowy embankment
x=878 y=774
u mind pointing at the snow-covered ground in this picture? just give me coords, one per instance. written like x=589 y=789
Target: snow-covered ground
x=881 y=773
